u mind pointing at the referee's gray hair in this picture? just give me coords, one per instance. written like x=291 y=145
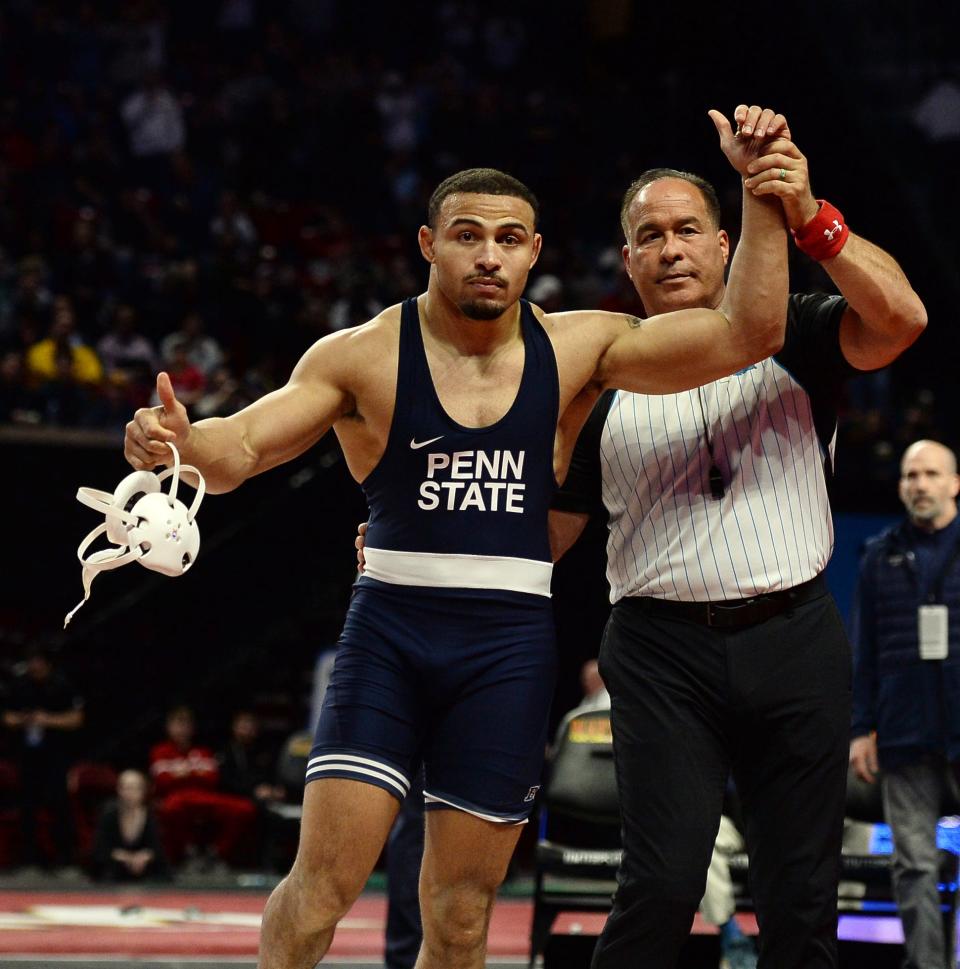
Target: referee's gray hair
x=652 y=175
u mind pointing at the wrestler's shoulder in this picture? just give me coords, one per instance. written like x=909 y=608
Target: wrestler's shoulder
x=377 y=336
x=580 y=320
x=383 y=328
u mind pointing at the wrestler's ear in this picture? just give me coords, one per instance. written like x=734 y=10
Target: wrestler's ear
x=625 y=252
x=724 y=241
x=425 y=239
x=537 y=243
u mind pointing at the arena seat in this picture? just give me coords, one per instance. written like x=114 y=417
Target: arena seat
x=90 y=784
x=9 y=814
x=578 y=850
x=283 y=817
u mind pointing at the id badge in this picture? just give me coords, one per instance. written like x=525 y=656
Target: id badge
x=932 y=631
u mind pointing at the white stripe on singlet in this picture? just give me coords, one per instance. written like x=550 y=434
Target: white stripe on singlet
x=669 y=538
x=445 y=570
x=365 y=766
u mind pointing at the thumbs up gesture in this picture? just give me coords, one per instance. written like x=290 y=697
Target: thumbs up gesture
x=147 y=435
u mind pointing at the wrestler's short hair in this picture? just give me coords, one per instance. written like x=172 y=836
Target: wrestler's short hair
x=652 y=175
x=481 y=181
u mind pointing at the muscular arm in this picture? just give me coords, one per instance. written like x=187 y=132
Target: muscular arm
x=671 y=352
x=274 y=429
x=689 y=348
x=758 y=281
x=884 y=315
x=685 y=349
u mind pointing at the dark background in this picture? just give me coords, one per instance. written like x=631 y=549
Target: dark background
x=293 y=110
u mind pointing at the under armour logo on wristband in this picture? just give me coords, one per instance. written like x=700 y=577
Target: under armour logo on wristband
x=836 y=230
x=824 y=235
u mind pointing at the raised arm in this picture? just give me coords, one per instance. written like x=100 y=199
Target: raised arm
x=884 y=315
x=684 y=349
x=758 y=280
x=274 y=429
x=676 y=351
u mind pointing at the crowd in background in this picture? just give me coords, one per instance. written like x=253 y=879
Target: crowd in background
x=210 y=188
x=183 y=805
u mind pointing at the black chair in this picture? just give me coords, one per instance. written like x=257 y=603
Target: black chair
x=578 y=851
x=283 y=817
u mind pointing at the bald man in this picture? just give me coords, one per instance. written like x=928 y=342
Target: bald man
x=906 y=691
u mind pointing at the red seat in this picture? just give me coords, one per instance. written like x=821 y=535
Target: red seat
x=90 y=784
x=9 y=814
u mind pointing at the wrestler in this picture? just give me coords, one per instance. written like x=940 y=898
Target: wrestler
x=457 y=411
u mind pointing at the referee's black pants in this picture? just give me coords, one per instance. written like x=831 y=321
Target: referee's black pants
x=690 y=703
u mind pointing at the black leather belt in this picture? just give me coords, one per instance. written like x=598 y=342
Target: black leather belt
x=731 y=612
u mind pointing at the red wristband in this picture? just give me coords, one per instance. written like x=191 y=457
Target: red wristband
x=824 y=235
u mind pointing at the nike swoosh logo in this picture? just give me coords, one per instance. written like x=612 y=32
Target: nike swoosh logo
x=414 y=443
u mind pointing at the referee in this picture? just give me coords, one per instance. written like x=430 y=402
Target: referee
x=724 y=650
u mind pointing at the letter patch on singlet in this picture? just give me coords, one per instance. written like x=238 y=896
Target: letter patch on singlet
x=484 y=480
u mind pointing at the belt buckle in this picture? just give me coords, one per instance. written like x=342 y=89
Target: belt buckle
x=719 y=615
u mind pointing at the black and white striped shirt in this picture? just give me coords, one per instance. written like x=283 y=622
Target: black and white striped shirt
x=772 y=429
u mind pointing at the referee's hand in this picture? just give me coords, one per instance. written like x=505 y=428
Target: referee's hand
x=863 y=757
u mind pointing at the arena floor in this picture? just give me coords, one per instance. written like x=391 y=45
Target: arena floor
x=84 y=928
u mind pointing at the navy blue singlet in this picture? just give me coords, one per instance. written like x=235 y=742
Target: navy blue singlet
x=465 y=507
x=457 y=674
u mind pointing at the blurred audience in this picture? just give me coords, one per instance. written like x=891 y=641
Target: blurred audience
x=44 y=710
x=176 y=174
x=127 y=844
x=196 y=818
x=190 y=345
x=63 y=369
x=247 y=764
x=128 y=357
x=248 y=768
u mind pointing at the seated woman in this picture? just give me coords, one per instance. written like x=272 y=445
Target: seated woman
x=127 y=844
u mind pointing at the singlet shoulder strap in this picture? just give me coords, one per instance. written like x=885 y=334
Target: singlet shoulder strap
x=540 y=374
x=412 y=360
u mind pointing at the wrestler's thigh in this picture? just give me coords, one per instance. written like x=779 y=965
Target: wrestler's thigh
x=464 y=851
x=342 y=832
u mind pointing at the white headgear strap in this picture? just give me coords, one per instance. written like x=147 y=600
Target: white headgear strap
x=144 y=524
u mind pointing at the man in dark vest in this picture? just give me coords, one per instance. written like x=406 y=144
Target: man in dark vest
x=906 y=709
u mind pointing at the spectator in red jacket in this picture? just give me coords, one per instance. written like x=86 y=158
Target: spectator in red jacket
x=193 y=813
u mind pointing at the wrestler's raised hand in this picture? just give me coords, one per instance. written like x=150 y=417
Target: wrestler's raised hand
x=756 y=127
x=147 y=435
x=781 y=170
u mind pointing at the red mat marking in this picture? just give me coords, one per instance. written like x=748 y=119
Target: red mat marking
x=184 y=932
x=509 y=933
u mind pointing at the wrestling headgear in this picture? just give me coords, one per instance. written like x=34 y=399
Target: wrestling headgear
x=145 y=525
